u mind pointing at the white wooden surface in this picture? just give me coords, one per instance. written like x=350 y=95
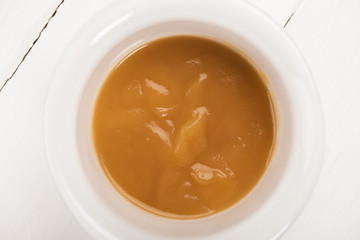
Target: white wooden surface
x=21 y=23
x=327 y=32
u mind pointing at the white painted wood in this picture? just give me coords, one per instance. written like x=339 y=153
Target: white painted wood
x=30 y=206
x=328 y=34
x=20 y=24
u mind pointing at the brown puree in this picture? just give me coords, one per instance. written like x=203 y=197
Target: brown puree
x=184 y=127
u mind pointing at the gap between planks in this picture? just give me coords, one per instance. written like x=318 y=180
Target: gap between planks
x=31 y=47
x=293 y=13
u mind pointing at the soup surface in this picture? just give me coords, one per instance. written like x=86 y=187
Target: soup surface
x=184 y=127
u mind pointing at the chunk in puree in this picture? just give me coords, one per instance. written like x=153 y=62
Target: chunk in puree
x=184 y=127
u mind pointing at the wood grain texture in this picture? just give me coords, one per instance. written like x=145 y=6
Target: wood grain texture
x=21 y=23
x=328 y=34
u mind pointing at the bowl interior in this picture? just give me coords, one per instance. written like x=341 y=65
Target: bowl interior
x=125 y=210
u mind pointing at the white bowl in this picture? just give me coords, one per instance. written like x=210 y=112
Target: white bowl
x=284 y=189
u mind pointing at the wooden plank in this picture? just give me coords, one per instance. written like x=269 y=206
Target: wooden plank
x=30 y=205
x=328 y=34
x=21 y=22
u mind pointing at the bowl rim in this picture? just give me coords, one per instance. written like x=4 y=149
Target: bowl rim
x=90 y=36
